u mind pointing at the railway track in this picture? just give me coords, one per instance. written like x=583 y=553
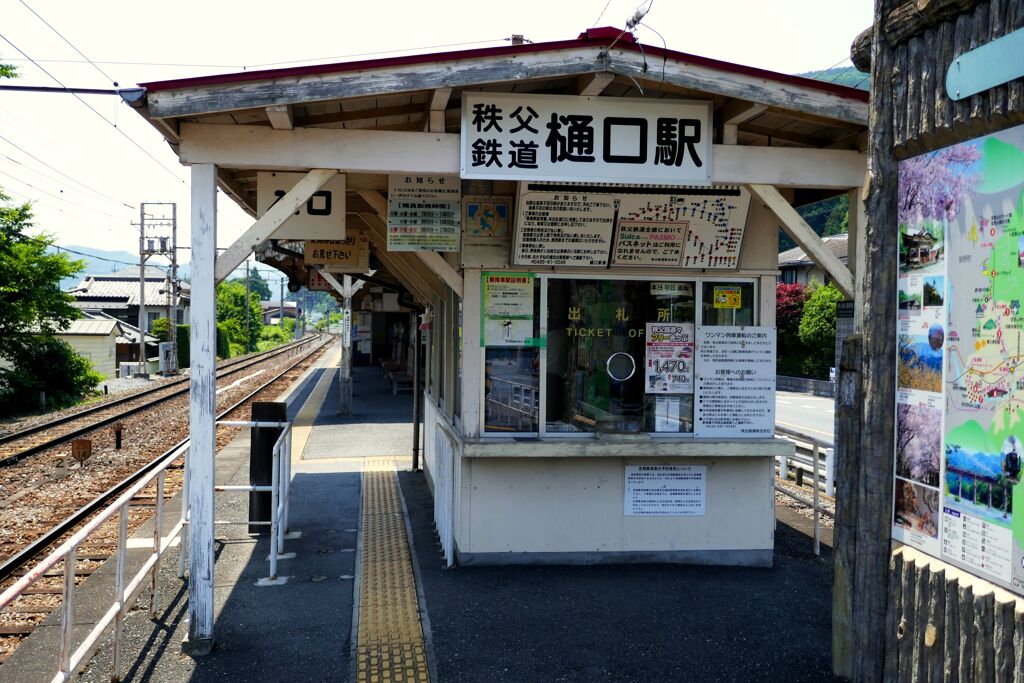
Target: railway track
x=24 y=443
x=18 y=620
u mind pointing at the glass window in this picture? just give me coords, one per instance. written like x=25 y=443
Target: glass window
x=728 y=303
x=512 y=376
x=596 y=352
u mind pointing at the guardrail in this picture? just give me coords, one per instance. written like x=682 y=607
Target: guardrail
x=125 y=591
x=816 y=455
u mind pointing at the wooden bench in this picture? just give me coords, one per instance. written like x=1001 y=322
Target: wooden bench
x=400 y=381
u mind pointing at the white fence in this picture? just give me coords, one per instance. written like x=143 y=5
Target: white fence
x=813 y=456
x=440 y=448
x=127 y=590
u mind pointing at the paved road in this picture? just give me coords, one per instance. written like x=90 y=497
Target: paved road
x=813 y=415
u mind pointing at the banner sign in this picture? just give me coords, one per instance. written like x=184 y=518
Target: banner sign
x=564 y=138
x=669 y=358
x=960 y=327
x=423 y=213
x=322 y=217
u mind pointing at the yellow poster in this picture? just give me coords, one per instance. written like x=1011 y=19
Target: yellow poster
x=727 y=297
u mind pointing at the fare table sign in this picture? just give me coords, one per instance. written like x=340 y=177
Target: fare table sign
x=513 y=136
x=424 y=213
x=735 y=371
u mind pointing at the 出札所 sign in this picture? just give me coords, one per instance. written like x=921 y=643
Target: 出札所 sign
x=511 y=136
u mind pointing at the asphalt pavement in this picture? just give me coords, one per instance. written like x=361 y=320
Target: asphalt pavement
x=813 y=415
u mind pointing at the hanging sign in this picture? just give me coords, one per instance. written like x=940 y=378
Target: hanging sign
x=350 y=255
x=322 y=217
x=513 y=136
x=507 y=309
x=668 y=358
x=423 y=213
x=735 y=371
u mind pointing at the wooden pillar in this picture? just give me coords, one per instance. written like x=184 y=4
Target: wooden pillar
x=870 y=494
x=202 y=411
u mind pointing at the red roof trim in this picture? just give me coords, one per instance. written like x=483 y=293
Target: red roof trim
x=599 y=38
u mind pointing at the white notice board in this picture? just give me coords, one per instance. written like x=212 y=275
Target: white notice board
x=735 y=373
x=672 y=490
x=424 y=212
x=563 y=228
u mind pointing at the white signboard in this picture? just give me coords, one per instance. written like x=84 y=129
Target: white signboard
x=676 y=490
x=563 y=228
x=668 y=359
x=512 y=136
x=735 y=372
x=424 y=213
x=322 y=217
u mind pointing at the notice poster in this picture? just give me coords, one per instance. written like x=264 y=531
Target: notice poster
x=563 y=228
x=424 y=213
x=507 y=309
x=668 y=490
x=960 y=347
x=668 y=359
x=735 y=375
x=681 y=227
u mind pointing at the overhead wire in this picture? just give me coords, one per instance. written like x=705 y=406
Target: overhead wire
x=601 y=14
x=70 y=44
x=56 y=196
x=93 y=110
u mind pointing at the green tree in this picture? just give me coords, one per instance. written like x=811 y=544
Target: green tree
x=818 y=329
x=256 y=284
x=838 y=222
x=161 y=329
x=242 y=322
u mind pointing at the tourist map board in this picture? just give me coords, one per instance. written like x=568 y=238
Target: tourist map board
x=960 y=363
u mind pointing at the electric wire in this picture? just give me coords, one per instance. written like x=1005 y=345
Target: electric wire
x=93 y=110
x=59 y=35
x=601 y=14
x=62 y=173
x=56 y=196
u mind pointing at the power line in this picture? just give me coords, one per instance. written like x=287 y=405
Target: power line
x=601 y=14
x=80 y=53
x=93 y=110
x=57 y=170
x=56 y=196
x=59 y=183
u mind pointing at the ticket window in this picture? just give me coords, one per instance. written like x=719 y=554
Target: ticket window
x=596 y=379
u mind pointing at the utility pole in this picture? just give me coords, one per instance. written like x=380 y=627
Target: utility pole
x=142 y=291
x=162 y=220
x=280 y=311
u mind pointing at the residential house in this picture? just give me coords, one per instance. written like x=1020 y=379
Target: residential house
x=272 y=311
x=118 y=295
x=795 y=266
x=96 y=341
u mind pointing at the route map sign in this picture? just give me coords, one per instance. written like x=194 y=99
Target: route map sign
x=960 y=347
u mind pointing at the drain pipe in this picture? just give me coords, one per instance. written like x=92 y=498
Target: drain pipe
x=406 y=299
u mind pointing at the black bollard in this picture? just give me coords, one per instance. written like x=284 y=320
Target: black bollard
x=261 y=461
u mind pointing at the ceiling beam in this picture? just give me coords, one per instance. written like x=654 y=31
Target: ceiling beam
x=406 y=268
x=593 y=85
x=808 y=240
x=280 y=116
x=368 y=151
x=263 y=229
x=435 y=112
x=738 y=111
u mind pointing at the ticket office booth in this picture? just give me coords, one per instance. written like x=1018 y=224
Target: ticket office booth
x=595 y=418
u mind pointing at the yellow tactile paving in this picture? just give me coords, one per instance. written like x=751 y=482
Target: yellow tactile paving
x=390 y=645
x=302 y=428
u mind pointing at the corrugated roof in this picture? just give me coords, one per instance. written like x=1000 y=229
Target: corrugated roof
x=121 y=289
x=89 y=327
x=837 y=244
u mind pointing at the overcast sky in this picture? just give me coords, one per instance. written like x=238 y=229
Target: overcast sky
x=136 y=41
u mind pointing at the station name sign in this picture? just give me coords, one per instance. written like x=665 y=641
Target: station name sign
x=511 y=136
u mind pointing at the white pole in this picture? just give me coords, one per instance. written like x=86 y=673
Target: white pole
x=817 y=535
x=142 y=290
x=202 y=410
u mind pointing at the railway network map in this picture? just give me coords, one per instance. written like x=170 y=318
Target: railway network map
x=961 y=356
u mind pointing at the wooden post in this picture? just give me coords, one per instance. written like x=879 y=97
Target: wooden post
x=848 y=400
x=202 y=411
x=118 y=428
x=873 y=491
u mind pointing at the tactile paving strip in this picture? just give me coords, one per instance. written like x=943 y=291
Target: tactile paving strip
x=390 y=647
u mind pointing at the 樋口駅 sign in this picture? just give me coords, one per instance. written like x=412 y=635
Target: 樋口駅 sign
x=351 y=254
x=322 y=217
x=424 y=213
x=564 y=138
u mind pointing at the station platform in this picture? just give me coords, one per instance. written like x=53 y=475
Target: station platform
x=368 y=597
